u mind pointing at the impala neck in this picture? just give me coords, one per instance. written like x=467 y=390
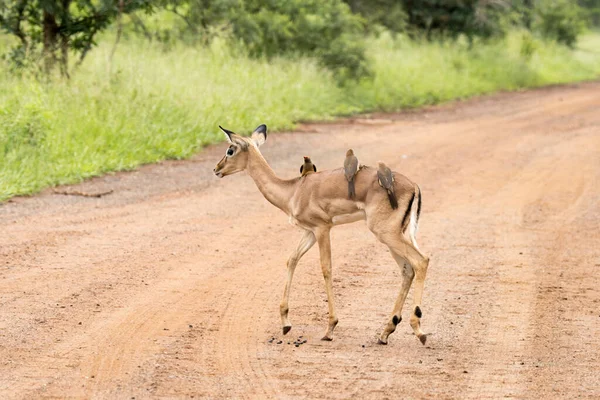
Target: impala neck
x=277 y=191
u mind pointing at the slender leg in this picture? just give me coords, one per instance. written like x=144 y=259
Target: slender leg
x=325 y=251
x=421 y=263
x=307 y=241
x=401 y=246
x=407 y=278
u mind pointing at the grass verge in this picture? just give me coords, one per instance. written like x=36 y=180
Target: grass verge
x=158 y=104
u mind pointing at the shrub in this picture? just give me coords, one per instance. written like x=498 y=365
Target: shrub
x=528 y=45
x=451 y=18
x=560 y=20
x=325 y=29
x=389 y=14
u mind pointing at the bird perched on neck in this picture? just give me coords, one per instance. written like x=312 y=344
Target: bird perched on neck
x=308 y=167
x=386 y=180
x=350 y=170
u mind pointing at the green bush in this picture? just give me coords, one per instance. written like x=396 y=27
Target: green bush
x=387 y=14
x=325 y=29
x=528 y=45
x=592 y=10
x=451 y=18
x=560 y=20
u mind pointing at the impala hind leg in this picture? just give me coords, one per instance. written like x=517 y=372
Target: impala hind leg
x=325 y=252
x=407 y=278
x=307 y=241
x=421 y=263
x=404 y=249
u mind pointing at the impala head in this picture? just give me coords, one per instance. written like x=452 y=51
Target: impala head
x=236 y=156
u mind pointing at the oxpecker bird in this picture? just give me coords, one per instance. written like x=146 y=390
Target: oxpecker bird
x=350 y=170
x=386 y=180
x=308 y=167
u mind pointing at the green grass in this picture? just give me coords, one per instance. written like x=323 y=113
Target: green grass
x=160 y=104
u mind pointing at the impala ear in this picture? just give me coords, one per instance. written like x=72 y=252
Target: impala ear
x=259 y=136
x=233 y=138
x=228 y=133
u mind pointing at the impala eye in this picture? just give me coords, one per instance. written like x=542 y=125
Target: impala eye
x=230 y=152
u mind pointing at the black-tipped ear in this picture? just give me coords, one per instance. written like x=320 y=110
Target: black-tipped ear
x=228 y=133
x=301 y=168
x=259 y=136
x=262 y=128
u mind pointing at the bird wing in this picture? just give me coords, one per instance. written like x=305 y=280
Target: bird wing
x=354 y=164
x=384 y=179
x=350 y=167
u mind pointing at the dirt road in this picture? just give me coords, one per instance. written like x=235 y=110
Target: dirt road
x=170 y=286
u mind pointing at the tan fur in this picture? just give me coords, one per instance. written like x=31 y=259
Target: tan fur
x=319 y=201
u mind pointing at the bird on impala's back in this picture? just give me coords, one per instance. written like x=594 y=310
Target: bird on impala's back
x=350 y=170
x=386 y=180
x=308 y=167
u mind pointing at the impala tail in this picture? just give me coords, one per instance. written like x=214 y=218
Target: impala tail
x=414 y=212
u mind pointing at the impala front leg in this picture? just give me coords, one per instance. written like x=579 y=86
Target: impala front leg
x=307 y=241
x=325 y=250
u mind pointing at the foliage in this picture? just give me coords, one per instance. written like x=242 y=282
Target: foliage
x=388 y=14
x=49 y=29
x=592 y=8
x=451 y=18
x=325 y=29
x=201 y=20
x=158 y=105
x=528 y=45
x=560 y=20
x=332 y=31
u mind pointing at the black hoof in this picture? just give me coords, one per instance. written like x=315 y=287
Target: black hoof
x=423 y=339
x=326 y=339
x=379 y=341
x=286 y=329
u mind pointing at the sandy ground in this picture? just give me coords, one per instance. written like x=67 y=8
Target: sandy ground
x=170 y=286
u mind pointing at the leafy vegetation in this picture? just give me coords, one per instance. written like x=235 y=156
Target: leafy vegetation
x=561 y=20
x=47 y=30
x=387 y=14
x=455 y=17
x=185 y=66
x=156 y=105
x=324 y=29
x=331 y=31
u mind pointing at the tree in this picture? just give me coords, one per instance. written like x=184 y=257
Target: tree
x=50 y=29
